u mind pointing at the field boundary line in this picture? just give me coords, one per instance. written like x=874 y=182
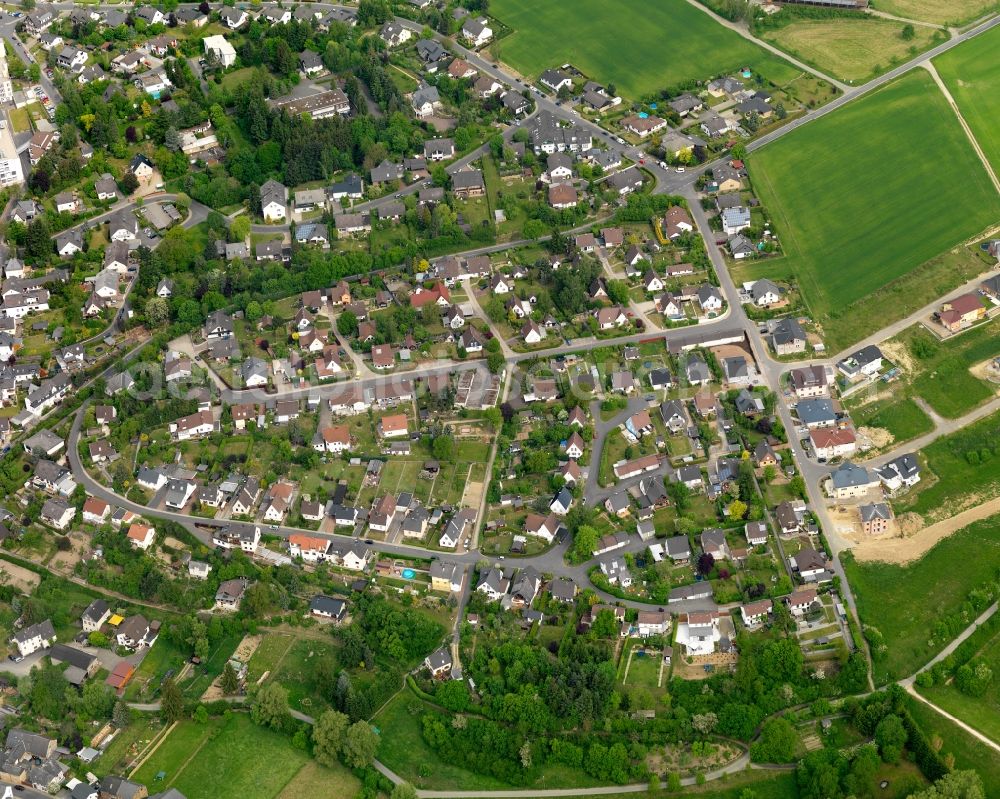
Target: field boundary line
x=172 y=778
x=929 y=66
x=149 y=752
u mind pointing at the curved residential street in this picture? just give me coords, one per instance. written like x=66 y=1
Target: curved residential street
x=733 y=322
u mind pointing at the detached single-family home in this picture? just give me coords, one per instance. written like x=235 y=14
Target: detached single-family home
x=476 y=32
x=850 y=480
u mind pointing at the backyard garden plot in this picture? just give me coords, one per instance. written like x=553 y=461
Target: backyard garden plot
x=644 y=675
x=851 y=48
x=859 y=207
x=971 y=75
x=639 y=47
x=918 y=609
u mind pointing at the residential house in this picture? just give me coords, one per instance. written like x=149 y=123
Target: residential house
x=833 y=443
x=494 y=584
x=274 y=201
x=864 y=363
x=875 y=518
x=677 y=222
x=29 y=640
x=57 y=513
x=135 y=632
x=395 y=34
x=756 y=613
x=476 y=32
x=643 y=125
x=901 y=472
x=141 y=536
x=816 y=413
x=962 y=311
x=809 y=381
x=788 y=337
x=230 y=594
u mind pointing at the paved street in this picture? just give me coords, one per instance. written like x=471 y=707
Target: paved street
x=667 y=181
x=553 y=560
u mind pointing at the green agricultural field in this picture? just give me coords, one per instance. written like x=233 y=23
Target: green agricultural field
x=849 y=48
x=943 y=377
x=859 y=207
x=903 y=419
x=971 y=75
x=640 y=47
x=968 y=752
x=905 y=602
x=940 y=12
x=963 y=470
x=981 y=712
x=232 y=758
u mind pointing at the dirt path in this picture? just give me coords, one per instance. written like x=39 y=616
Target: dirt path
x=904 y=550
x=929 y=66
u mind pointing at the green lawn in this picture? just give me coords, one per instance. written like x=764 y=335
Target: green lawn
x=969 y=71
x=905 y=602
x=960 y=476
x=643 y=674
x=858 y=206
x=943 y=378
x=901 y=418
x=225 y=759
x=968 y=752
x=297 y=673
x=982 y=712
x=640 y=47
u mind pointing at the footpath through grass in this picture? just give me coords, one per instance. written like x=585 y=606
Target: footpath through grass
x=769 y=784
x=640 y=47
x=968 y=752
x=970 y=72
x=859 y=207
x=982 y=712
x=919 y=608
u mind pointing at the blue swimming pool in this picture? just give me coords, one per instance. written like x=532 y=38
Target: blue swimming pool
x=409 y=574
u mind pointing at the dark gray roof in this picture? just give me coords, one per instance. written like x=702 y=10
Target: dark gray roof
x=95 y=610
x=816 y=411
x=60 y=653
x=326 y=604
